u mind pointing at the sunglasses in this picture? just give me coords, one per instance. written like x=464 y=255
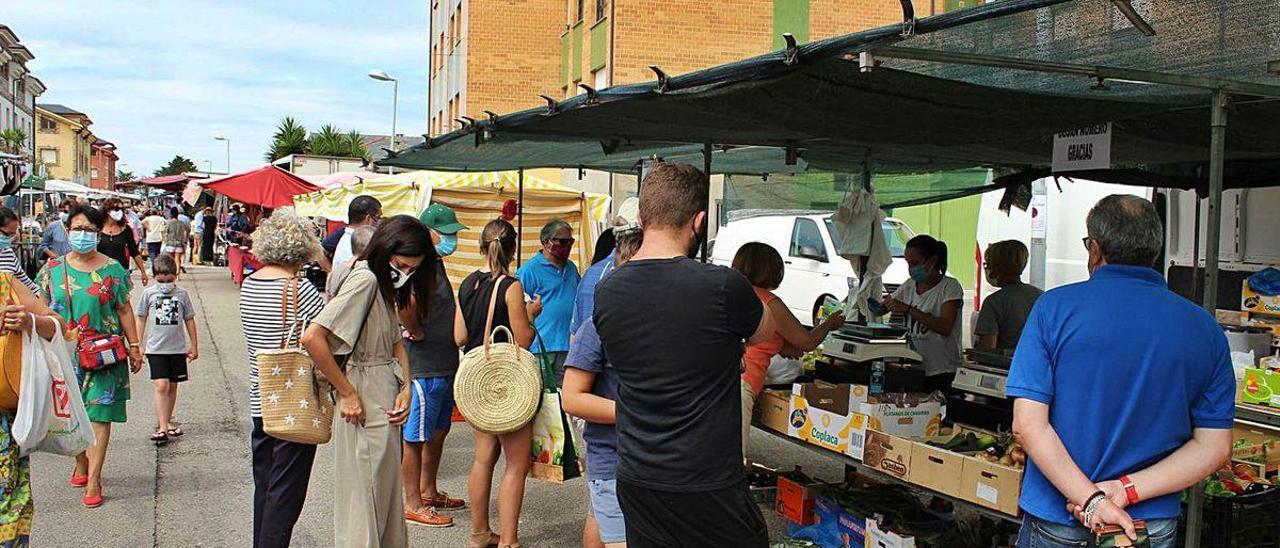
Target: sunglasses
x=562 y=241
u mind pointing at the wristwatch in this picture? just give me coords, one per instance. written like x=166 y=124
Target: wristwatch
x=1130 y=492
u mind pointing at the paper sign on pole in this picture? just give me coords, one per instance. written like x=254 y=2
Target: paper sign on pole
x=1039 y=216
x=1084 y=148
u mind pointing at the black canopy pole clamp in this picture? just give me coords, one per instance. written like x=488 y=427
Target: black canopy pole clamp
x=552 y=106
x=582 y=173
x=867 y=61
x=664 y=81
x=793 y=155
x=493 y=117
x=466 y=121
x=390 y=153
x=908 y=18
x=792 y=55
x=593 y=96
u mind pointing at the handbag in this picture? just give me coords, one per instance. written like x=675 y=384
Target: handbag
x=10 y=353
x=297 y=405
x=497 y=385
x=94 y=350
x=555 y=441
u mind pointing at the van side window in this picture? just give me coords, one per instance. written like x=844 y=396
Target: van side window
x=807 y=242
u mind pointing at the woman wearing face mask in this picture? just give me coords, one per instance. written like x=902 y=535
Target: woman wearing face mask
x=931 y=300
x=360 y=322
x=498 y=246
x=117 y=241
x=10 y=228
x=91 y=291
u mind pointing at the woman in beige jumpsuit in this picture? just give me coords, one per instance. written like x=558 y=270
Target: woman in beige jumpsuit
x=372 y=390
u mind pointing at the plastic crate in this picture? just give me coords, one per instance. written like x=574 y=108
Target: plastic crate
x=1242 y=521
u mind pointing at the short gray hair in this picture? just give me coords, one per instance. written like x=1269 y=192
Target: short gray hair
x=360 y=237
x=285 y=239
x=551 y=228
x=1127 y=229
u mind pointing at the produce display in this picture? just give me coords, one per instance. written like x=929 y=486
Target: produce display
x=1000 y=448
x=1239 y=478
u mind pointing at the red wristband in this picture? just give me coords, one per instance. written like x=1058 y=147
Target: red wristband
x=1130 y=491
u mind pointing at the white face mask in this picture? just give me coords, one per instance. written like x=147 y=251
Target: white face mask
x=117 y=215
x=399 y=277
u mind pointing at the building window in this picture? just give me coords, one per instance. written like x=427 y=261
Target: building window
x=600 y=79
x=457 y=26
x=93 y=173
x=49 y=156
x=47 y=125
x=600 y=7
x=578 y=13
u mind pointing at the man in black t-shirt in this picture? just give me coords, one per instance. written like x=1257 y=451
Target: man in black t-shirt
x=674 y=330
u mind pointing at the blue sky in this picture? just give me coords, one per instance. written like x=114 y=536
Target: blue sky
x=160 y=78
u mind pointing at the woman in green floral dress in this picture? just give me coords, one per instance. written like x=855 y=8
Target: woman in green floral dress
x=91 y=291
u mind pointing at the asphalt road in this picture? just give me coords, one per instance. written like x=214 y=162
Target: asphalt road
x=198 y=491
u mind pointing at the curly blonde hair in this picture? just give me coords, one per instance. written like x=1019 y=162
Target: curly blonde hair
x=285 y=239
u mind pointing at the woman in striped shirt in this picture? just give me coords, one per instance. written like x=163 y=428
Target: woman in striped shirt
x=281 y=469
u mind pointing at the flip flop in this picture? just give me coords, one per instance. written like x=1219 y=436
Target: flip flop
x=160 y=437
x=174 y=432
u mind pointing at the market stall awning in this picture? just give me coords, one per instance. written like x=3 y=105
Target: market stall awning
x=267 y=186
x=926 y=102
x=171 y=183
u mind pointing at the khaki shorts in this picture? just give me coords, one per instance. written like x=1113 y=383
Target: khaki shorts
x=748 y=409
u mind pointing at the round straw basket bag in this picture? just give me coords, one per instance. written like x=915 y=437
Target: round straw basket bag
x=498 y=385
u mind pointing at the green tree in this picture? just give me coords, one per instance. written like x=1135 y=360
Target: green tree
x=177 y=166
x=12 y=140
x=328 y=142
x=355 y=148
x=123 y=176
x=290 y=138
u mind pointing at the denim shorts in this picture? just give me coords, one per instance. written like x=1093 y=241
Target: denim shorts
x=608 y=514
x=1037 y=533
x=430 y=410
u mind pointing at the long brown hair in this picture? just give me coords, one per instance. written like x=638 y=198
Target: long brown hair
x=498 y=246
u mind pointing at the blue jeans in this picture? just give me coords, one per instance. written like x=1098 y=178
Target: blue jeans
x=1037 y=533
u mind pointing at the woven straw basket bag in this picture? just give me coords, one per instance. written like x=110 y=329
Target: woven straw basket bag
x=498 y=386
x=296 y=402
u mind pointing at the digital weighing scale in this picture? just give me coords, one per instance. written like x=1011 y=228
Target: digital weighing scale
x=867 y=342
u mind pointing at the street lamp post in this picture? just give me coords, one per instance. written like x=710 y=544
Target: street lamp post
x=228 y=141
x=208 y=166
x=382 y=76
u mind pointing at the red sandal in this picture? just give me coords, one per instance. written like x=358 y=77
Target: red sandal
x=92 y=502
x=78 y=481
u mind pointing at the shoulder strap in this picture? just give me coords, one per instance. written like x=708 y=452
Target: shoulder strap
x=493 y=303
x=66 y=288
x=290 y=290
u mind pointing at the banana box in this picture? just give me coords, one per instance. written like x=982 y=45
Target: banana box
x=904 y=421
x=1260 y=386
x=823 y=415
x=1252 y=301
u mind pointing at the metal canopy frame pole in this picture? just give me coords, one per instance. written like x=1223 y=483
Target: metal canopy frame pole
x=706 y=228
x=1217 y=149
x=519 y=217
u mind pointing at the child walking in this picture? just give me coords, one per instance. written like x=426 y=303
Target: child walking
x=166 y=321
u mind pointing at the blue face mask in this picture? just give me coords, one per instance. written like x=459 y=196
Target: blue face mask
x=83 y=241
x=448 y=244
x=919 y=274
x=6 y=241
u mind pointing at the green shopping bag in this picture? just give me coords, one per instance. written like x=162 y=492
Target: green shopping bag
x=555 y=442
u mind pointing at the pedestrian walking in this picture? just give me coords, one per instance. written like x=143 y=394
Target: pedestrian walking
x=932 y=301
x=551 y=279
x=91 y=291
x=590 y=392
x=117 y=240
x=360 y=323
x=762 y=266
x=153 y=233
x=197 y=235
x=1087 y=349
x=281 y=469
x=433 y=361
x=673 y=329
x=176 y=232
x=15 y=468
x=10 y=227
x=53 y=243
x=498 y=247
x=167 y=322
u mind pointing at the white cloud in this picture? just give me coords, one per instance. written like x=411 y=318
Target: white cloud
x=161 y=78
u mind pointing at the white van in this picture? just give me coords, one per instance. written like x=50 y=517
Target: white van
x=807 y=243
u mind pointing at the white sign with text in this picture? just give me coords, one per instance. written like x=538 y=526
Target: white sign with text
x=1081 y=149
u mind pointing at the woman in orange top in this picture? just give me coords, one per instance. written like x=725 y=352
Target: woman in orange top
x=762 y=266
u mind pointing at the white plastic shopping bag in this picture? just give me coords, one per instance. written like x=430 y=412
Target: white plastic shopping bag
x=55 y=396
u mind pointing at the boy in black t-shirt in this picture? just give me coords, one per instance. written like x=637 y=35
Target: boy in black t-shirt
x=674 y=330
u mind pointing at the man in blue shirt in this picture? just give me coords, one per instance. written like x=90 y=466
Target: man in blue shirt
x=550 y=279
x=1124 y=390
x=624 y=221
x=54 y=243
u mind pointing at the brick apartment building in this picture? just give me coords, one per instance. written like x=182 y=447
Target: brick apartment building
x=500 y=55
x=102 y=165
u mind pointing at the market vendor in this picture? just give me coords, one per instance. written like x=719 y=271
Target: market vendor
x=931 y=301
x=1004 y=313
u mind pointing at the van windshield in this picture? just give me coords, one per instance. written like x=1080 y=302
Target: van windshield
x=895 y=235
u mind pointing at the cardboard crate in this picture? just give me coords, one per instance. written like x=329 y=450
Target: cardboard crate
x=1261 y=387
x=880 y=538
x=796 y=499
x=822 y=414
x=936 y=468
x=850 y=527
x=912 y=421
x=772 y=409
x=991 y=485
x=1251 y=301
x=888 y=454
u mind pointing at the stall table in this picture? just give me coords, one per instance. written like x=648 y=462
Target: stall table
x=239 y=257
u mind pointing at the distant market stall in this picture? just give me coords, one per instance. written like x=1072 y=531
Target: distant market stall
x=268 y=186
x=477 y=198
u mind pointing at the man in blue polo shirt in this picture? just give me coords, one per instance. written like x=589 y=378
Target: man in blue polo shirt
x=1124 y=391
x=550 y=279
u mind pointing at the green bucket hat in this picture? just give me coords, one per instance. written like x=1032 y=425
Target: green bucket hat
x=442 y=219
